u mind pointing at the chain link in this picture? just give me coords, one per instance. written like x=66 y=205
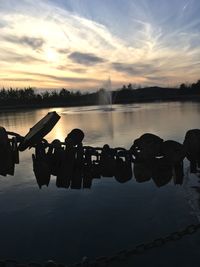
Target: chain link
x=142 y=248
x=122 y=255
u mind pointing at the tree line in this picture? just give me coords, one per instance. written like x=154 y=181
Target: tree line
x=127 y=94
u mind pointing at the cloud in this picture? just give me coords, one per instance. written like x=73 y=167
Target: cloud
x=33 y=42
x=22 y=59
x=18 y=79
x=3 y=23
x=85 y=58
x=58 y=78
x=78 y=70
x=63 y=51
x=134 y=68
x=125 y=68
x=11 y=57
x=72 y=69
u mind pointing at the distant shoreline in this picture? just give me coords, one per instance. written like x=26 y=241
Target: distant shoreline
x=183 y=98
x=28 y=98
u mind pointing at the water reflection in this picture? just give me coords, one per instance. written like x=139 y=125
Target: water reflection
x=70 y=224
x=117 y=128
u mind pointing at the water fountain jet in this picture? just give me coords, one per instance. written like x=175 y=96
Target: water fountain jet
x=105 y=96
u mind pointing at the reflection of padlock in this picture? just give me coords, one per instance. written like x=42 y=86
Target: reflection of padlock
x=178 y=173
x=96 y=169
x=162 y=172
x=87 y=180
x=123 y=171
x=142 y=171
x=39 y=130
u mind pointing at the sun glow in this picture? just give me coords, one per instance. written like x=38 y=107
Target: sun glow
x=51 y=55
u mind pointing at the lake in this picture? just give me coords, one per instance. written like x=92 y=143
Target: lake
x=64 y=224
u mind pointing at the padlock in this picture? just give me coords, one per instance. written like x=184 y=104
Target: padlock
x=96 y=168
x=3 y=148
x=40 y=165
x=77 y=176
x=66 y=168
x=146 y=147
x=54 y=156
x=87 y=165
x=6 y=158
x=15 y=150
x=107 y=161
x=75 y=137
x=39 y=130
x=10 y=159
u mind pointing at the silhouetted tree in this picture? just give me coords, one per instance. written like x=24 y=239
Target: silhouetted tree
x=130 y=86
x=64 y=93
x=183 y=86
x=29 y=96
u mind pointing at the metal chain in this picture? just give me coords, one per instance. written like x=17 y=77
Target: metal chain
x=122 y=255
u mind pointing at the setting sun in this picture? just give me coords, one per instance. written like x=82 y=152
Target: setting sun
x=51 y=55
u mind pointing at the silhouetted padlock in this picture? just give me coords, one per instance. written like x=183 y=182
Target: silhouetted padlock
x=39 y=130
x=54 y=156
x=15 y=150
x=77 y=176
x=6 y=157
x=40 y=165
x=107 y=161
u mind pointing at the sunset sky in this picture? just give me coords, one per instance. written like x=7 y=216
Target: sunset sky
x=79 y=44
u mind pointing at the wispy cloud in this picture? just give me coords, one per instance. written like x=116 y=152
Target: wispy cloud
x=35 y=76
x=64 y=51
x=33 y=42
x=135 y=69
x=12 y=57
x=86 y=58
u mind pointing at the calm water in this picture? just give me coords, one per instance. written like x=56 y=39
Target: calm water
x=66 y=225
